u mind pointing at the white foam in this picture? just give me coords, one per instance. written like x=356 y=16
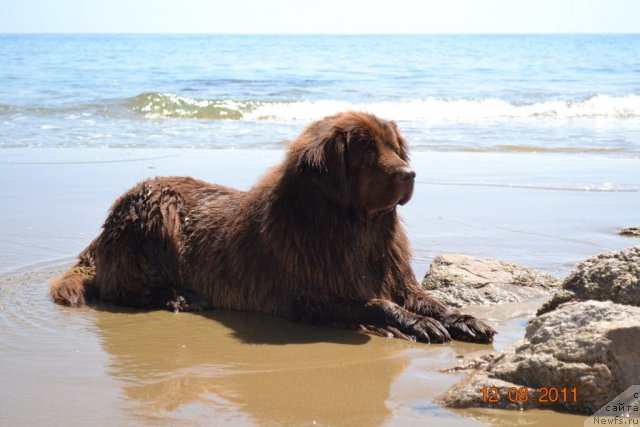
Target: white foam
x=424 y=110
x=432 y=109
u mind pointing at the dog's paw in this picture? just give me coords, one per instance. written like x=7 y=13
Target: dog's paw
x=467 y=328
x=428 y=330
x=189 y=301
x=177 y=304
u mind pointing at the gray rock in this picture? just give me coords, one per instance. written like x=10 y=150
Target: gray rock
x=612 y=276
x=593 y=346
x=480 y=390
x=630 y=232
x=459 y=280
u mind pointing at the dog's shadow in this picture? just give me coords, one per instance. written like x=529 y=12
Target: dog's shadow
x=259 y=328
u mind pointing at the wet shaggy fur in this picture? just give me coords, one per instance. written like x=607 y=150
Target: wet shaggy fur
x=317 y=239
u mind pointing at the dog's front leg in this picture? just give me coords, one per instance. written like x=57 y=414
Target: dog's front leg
x=460 y=326
x=378 y=316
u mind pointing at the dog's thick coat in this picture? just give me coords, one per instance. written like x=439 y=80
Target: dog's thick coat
x=317 y=239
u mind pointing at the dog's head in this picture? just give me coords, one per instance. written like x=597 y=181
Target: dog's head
x=357 y=160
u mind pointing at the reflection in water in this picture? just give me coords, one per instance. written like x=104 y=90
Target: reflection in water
x=231 y=363
x=64 y=366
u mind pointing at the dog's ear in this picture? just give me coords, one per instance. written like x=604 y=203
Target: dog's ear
x=323 y=159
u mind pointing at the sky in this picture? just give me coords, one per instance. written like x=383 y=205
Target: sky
x=320 y=16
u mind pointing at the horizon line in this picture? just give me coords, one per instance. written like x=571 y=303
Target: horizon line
x=186 y=33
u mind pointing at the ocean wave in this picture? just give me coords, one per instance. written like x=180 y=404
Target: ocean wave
x=159 y=105
x=164 y=105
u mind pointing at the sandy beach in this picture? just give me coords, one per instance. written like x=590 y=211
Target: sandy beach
x=58 y=364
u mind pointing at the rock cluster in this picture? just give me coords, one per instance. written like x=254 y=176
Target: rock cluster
x=578 y=353
x=588 y=352
x=630 y=232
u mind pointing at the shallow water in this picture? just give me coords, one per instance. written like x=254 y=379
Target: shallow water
x=125 y=367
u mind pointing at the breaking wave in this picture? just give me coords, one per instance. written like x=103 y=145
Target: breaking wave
x=164 y=105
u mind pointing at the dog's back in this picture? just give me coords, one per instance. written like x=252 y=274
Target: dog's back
x=136 y=260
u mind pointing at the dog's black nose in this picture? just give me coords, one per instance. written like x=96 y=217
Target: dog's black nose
x=405 y=174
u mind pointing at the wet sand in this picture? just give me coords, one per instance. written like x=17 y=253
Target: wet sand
x=107 y=366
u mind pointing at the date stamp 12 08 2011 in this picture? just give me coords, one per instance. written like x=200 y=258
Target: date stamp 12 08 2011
x=543 y=395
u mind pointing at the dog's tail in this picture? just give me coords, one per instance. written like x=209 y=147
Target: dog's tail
x=77 y=285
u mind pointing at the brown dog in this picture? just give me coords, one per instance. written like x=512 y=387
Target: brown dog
x=317 y=239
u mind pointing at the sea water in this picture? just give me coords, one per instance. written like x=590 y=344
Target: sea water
x=575 y=94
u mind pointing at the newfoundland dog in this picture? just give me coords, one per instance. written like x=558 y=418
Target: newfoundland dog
x=317 y=239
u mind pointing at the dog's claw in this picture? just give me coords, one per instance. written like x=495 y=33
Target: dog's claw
x=467 y=328
x=429 y=330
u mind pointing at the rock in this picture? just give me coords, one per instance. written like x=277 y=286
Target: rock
x=593 y=346
x=458 y=280
x=612 y=276
x=480 y=390
x=630 y=232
